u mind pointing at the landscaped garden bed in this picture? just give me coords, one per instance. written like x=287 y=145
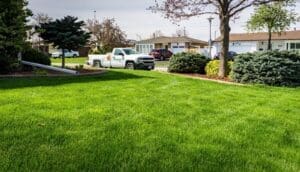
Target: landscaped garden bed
x=50 y=73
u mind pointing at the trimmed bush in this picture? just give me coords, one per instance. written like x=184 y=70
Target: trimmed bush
x=270 y=68
x=212 y=68
x=188 y=63
x=35 y=56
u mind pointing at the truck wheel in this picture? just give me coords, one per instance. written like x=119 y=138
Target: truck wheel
x=97 y=64
x=130 y=65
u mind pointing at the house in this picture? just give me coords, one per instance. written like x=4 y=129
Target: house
x=250 y=42
x=174 y=44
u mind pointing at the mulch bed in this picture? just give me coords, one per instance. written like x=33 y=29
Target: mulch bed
x=204 y=77
x=210 y=78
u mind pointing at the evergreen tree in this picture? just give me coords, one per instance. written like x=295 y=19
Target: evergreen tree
x=13 y=14
x=65 y=34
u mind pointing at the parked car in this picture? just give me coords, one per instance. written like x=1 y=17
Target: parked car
x=231 y=55
x=122 y=58
x=58 y=54
x=161 y=54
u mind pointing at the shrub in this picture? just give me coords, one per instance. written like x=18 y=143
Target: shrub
x=35 y=56
x=4 y=65
x=79 y=67
x=8 y=60
x=212 y=68
x=188 y=63
x=270 y=68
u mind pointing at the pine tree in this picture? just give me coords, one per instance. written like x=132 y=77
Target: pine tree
x=13 y=14
x=65 y=34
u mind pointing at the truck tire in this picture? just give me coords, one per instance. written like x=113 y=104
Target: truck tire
x=97 y=63
x=130 y=65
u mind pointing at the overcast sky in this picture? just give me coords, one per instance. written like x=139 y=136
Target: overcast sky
x=133 y=18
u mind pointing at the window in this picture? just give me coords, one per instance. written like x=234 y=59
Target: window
x=293 y=46
x=129 y=51
x=151 y=47
x=117 y=52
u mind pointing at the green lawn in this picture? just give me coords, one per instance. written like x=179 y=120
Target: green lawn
x=77 y=60
x=146 y=121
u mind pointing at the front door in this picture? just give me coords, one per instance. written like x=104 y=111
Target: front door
x=117 y=59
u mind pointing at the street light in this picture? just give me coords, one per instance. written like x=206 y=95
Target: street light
x=210 y=19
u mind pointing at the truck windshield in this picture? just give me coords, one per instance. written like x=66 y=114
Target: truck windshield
x=129 y=51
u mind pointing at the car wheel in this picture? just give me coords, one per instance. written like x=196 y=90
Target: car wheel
x=130 y=65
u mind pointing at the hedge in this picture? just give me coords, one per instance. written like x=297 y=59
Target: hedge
x=35 y=56
x=271 y=68
x=212 y=68
x=188 y=63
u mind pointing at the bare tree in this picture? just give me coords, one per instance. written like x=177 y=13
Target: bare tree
x=106 y=34
x=181 y=32
x=226 y=10
x=157 y=33
x=38 y=19
x=42 y=18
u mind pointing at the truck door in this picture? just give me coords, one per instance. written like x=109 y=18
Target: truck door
x=118 y=58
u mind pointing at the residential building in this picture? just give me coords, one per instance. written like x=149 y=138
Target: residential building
x=174 y=44
x=251 y=42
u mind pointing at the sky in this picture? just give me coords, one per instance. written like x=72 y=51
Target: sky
x=134 y=18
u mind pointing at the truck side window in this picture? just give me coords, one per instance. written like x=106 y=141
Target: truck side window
x=117 y=52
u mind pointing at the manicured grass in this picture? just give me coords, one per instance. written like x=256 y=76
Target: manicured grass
x=77 y=60
x=146 y=121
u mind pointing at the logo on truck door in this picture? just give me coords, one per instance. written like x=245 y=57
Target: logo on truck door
x=108 y=57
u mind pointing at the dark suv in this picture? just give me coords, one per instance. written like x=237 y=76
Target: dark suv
x=161 y=54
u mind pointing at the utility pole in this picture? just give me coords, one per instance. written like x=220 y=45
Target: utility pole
x=210 y=19
x=94 y=27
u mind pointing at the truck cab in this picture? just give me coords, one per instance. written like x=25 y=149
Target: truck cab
x=123 y=58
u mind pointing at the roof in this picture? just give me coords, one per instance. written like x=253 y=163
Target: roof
x=263 y=36
x=166 y=40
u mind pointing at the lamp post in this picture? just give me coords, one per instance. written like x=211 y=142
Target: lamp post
x=210 y=19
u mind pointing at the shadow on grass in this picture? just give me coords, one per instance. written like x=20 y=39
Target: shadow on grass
x=12 y=83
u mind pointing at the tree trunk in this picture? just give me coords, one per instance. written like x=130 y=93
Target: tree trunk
x=270 y=40
x=63 y=59
x=224 y=30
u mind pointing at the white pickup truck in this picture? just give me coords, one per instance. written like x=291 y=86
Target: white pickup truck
x=122 y=58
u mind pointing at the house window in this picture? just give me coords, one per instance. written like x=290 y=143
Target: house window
x=292 y=46
x=295 y=46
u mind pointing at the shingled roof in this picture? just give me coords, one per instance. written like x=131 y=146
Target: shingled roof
x=166 y=40
x=263 y=36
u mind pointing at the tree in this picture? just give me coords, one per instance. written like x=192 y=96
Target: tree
x=157 y=33
x=272 y=17
x=38 y=19
x=65 y=34
x=226 y=10
x=181 y=32
x=13 y=14
x=106 y=35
